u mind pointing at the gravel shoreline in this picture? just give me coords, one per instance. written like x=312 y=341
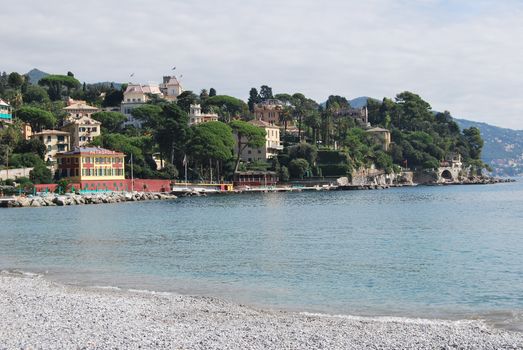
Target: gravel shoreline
x=38 y=314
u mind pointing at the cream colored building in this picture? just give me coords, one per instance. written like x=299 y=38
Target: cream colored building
x=171 y=88
x=269 y=150
x=54 y=140
x=134 y=96
x=79 y=108
x=82 y=130
x=269 y=111
x=5 y=112
x=197 y=117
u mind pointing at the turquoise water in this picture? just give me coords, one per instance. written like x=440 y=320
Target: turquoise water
x=451 y=252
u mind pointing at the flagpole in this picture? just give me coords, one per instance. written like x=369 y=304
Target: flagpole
x=185 y=164
x=132 y=174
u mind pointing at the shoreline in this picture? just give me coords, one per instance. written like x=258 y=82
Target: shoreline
x=39 y=313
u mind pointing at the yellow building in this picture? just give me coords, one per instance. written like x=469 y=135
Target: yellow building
x=91 y=164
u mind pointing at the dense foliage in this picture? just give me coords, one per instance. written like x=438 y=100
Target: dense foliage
x=319 y=139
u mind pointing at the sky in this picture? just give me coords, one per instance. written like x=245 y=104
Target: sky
x=464 y=56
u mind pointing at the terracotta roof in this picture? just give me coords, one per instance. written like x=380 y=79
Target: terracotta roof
x=90 y=150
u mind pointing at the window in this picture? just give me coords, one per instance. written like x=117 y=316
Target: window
x=249 y=152
x=61 y=139
x=48 y=138
x=93 y=129
x=49 y=148
x=67 y=160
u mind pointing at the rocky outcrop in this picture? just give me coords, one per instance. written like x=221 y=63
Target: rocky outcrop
x=375 y=179
x=50 y=200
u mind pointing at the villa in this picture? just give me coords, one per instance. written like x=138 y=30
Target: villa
x=272 y=144
x=5 y=112
x=54 y=140
x=269 y=111
x=136 y=95
x=83 y=130
x=79 y=108
x=171 y=88
x=197 y=117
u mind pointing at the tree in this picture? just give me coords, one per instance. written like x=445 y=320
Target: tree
x=305 y=151
x=254 y=98
x=15 y=80
x=247 y=135
x=34 y=146
x=474 y=141
x=211 y=143
x=149 y=114
x=41 y=175
x=212 y=92
x=298 y=167
x=212 y=140
x=111 y=121
x=265 y=93
x=228 y=106
x=186 y=99
x=36 y=94
x=112 y=98
x=56 y=84
x=36 y=117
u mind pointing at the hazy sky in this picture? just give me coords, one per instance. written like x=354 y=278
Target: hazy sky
x=465 y=56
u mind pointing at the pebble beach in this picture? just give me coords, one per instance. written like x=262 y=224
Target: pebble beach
x=38 y=314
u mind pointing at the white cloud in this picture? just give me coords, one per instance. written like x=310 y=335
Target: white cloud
x=463 y=56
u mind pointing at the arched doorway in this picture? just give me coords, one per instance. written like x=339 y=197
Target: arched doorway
x=447 y=175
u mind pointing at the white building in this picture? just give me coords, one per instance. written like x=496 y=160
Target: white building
x=197 y=117
x=134 y=96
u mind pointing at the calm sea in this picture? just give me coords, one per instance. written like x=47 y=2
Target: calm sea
x=447 y=252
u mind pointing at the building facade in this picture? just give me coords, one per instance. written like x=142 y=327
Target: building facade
x=134 y=96
x=55 y=141
x=5 y=112
x=91 y=164
x=82 y=130
x=269 y=111
x=171 y=88
x=197 y=117
x=77 y=108
x=269 y=150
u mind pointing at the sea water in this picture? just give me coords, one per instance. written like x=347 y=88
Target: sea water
x=440 y=252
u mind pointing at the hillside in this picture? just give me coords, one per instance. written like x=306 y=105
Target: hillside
x=503 y=149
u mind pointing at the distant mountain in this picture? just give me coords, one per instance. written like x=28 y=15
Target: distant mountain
x=35 y=75
x=503 y=149
x=360 y=102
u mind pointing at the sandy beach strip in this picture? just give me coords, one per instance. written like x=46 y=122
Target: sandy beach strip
x=38 y=314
